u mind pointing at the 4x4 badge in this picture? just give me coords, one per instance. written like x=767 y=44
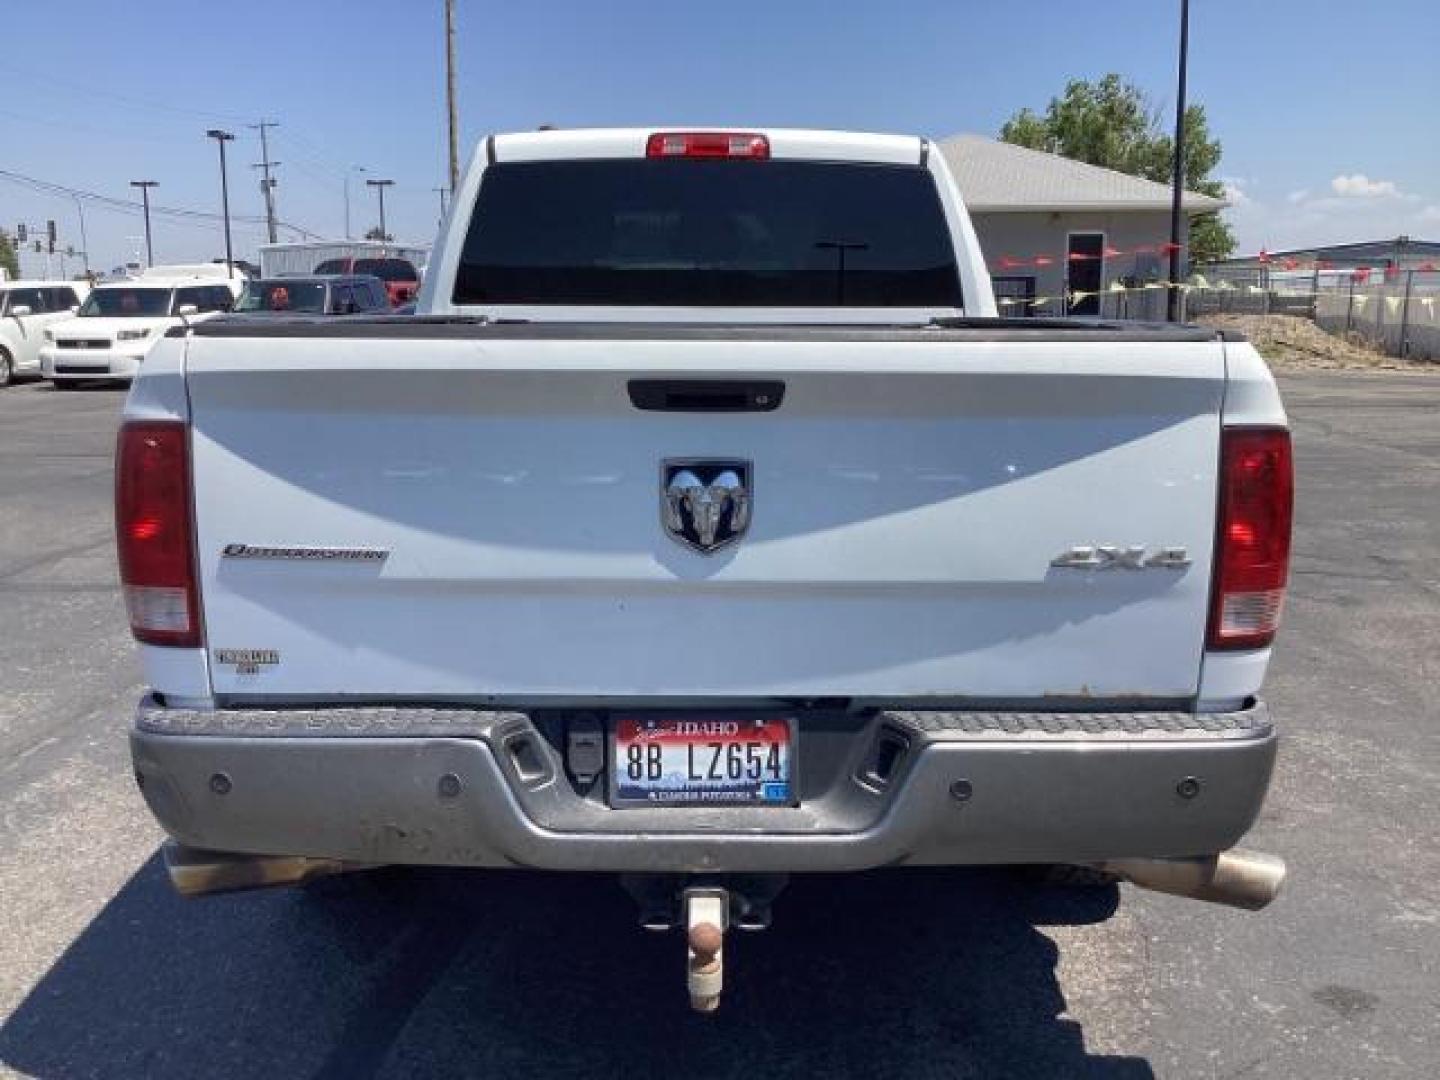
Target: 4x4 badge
x=1116 y=557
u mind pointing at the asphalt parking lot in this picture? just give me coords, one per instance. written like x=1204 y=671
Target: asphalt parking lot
x=103 y=972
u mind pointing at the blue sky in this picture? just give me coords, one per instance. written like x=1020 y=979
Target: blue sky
x=1327 y=110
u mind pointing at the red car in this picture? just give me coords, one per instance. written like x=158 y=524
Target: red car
x=402 y=280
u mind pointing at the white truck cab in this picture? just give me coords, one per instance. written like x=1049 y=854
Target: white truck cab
x=27 y=310
x=119 y=322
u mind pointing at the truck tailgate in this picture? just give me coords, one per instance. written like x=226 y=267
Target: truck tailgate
x=909 y=497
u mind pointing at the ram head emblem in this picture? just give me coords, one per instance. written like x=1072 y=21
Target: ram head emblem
x=705 y=503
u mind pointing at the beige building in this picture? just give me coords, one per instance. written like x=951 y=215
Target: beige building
x=1027 y=204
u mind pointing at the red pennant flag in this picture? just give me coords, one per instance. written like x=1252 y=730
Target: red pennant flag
x=1044 y=260
x=1264 y=257
x=1112 y=253
x=1290 y=264
x=1076 y=256
x=1324 y=264
x=1009 y=263
x=1361 y=275
x=1168 y=248
x=1391 y=272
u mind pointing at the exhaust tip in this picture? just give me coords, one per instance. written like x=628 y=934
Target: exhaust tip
x=198 y=872
x=1249 y=880
x=1252 y=878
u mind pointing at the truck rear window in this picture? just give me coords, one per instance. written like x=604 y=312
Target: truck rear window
x=708 y=233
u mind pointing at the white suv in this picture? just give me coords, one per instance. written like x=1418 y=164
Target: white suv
x=120 y=322
x=27 y=308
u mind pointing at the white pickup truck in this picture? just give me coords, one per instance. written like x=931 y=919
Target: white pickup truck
x=705 y=525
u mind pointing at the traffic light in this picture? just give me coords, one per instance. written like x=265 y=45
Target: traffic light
x=50 y=235
x=21 y=232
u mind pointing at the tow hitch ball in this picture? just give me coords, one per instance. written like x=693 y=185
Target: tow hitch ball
x=707 y=915
x=705 y=911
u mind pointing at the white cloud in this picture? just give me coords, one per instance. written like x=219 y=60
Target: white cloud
x=1360 y=186
x=1234 y=188
x=1321 y=215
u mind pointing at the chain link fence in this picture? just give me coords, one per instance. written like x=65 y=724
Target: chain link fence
x=1397 y=312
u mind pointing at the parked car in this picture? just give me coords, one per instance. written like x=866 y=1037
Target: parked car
x=283 y=260
x=706 y=526
x=402 y=280
x=27 y=309
x=333 y=294
x=120 y=322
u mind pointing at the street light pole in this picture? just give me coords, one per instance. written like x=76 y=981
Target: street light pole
x=222 y=137
x=380 y=186
x=145 y=186
x=1178 y=183
x=351 y=169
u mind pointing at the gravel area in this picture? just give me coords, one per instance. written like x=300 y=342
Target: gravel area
x=1291 y=343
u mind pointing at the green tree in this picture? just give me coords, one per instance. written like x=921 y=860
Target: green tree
x=1113 y=124
x=8 y=257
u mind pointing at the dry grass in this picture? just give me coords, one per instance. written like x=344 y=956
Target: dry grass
x=1290 y=343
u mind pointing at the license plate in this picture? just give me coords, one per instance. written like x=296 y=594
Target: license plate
x=690 y=761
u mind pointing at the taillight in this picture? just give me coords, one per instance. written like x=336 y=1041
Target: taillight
x=707 y=144
x=1252 y=553
x=154 y=534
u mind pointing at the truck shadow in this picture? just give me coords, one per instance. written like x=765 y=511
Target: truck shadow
x=894 y=973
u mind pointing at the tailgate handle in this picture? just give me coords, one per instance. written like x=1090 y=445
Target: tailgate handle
x=706 y=395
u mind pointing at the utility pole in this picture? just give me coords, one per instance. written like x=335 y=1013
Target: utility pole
x=1178 y=183
x=145 y=186
x=454 y=119
x=84 y=241
x=222 y=137
x=380 y=186
x=267 y=184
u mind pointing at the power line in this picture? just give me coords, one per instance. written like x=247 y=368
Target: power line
x=180 y=215
x=123 y=205
x=52 y=122
x=93 y=93
x=304 y=147
x=318 y=155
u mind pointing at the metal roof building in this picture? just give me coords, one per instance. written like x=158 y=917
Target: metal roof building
x=1401 y=252
x=1051 y=227
x=997 y=178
